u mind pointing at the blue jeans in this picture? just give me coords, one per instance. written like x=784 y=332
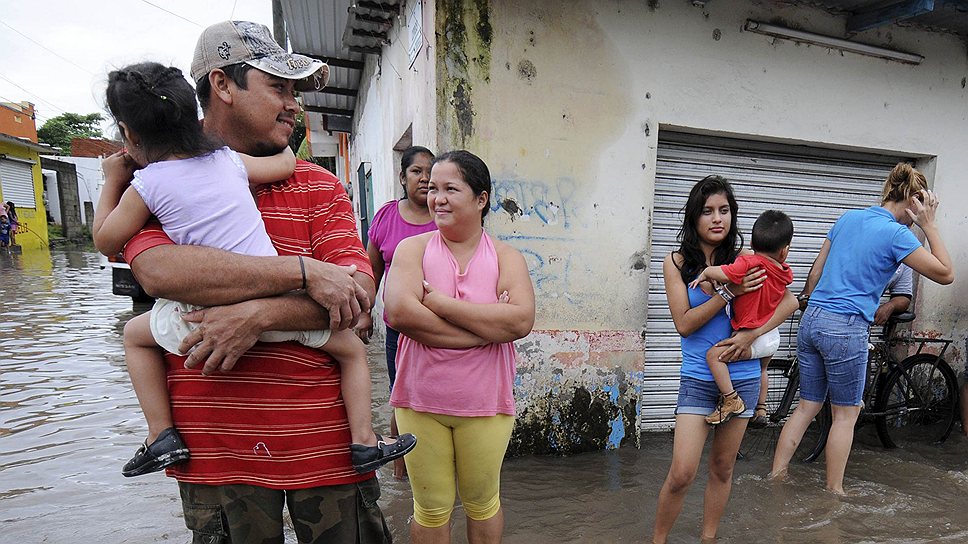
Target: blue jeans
x=393 y=337
x=832 y=349
x=701 y=397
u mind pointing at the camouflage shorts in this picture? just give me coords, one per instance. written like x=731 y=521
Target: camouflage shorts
x=246 y=514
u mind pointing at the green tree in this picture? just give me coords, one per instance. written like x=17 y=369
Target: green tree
x=58 y=131
x=297 y=140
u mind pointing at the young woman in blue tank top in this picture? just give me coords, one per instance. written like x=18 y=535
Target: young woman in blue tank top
x=858 y=258
x=709 y=236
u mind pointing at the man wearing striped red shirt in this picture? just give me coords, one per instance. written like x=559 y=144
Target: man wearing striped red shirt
x=265 y=423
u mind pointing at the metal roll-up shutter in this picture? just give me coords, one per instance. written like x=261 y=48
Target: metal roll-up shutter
x=813 y=186
x=17 y=183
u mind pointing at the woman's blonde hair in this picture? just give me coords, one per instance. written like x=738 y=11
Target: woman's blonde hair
x=903 y=181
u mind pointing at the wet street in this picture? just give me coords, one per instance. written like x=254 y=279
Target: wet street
x=69 y=420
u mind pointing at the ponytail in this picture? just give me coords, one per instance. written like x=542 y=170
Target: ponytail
x=903 y=181
x=157 y=103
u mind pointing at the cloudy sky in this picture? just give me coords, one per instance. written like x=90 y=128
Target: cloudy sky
x=57 y=53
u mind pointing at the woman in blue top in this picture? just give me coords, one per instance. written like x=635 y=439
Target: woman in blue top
x=708 y=237
x=859 y=256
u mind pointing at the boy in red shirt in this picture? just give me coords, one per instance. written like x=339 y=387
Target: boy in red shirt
x=772 y=234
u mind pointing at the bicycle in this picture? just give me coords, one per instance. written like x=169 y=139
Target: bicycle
x=911 y=401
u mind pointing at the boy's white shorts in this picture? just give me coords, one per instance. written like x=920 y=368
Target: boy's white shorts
x=766 y=345
x=169 y=329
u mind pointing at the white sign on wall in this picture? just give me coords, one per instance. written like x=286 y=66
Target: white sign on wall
x=415 y=26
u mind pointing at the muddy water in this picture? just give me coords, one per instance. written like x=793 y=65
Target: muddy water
x=68 y=420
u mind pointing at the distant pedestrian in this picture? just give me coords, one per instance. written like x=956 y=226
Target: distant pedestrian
x=4 y=231
x=900 y=290
x=11 y=212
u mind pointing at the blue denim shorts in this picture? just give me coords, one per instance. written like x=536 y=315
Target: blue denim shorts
x=832 y=349
x=701 y=397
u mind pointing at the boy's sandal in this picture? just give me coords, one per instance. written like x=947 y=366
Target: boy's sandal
x=168 y=449
x=369 y=458
x=760 y=417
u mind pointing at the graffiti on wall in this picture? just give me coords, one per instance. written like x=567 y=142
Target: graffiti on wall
x=542 y=202
x=544 y=217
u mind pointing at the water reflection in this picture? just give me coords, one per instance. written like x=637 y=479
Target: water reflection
x=69 y=419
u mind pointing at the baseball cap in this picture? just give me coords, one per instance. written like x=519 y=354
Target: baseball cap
x=234 y=42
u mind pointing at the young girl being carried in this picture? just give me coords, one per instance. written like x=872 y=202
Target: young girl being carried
x=201 y=194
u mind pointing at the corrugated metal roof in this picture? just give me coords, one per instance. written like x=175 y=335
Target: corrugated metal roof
x=315 y=28
x=339 y=32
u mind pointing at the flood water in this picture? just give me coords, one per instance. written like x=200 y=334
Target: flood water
x=69 y=420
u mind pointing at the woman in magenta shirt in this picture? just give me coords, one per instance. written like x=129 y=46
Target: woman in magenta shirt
x=459 y=298
x=396 y=220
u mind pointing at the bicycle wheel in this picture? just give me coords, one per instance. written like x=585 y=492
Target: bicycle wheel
x=785 y=381
x=919 y=402
x=815 y=439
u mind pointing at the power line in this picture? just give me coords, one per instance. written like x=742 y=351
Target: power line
x=49 y=50
x=55 y=106
x=172 y=13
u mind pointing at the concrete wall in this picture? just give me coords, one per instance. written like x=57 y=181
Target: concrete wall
x=63 y=191
x=89 y=181
x=565 y=105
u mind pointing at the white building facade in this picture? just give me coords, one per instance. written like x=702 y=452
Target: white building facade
x=595 y=119
x=90 y=178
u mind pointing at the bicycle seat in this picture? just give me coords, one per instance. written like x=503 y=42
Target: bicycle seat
x=903 y=317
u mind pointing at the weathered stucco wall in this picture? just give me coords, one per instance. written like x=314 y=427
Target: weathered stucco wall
x=565 y=102
x=394 y=95
x=547 y=140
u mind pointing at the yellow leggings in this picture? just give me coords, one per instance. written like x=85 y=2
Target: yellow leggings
x=455 y=453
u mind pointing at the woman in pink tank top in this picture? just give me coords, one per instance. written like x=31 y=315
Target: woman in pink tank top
x=460 y=299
